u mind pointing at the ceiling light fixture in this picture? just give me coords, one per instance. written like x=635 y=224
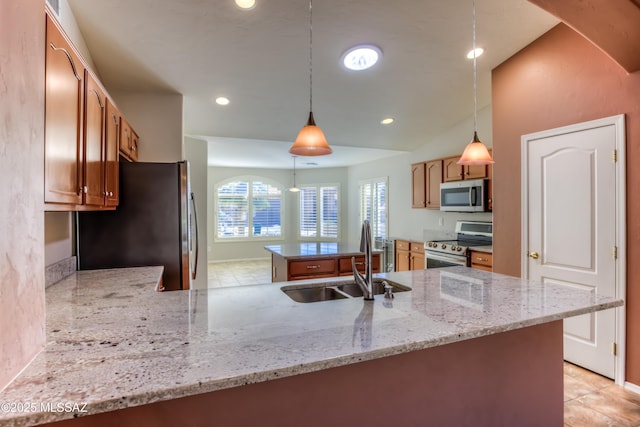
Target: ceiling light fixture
x=476 y=152
x=311 y=140
x=246 y=4
x=478 y=51
x=221 y=100
x=361 y=57
x=294 y=189
x=387 y=121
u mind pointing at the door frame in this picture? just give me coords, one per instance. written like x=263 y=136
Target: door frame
x=618 y=122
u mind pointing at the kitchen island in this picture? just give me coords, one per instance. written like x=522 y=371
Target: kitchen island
x=463 y=347
x=298 y=261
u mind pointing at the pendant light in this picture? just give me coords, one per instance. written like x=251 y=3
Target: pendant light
x=311 y=140
x=476 y=152
x=294 y=189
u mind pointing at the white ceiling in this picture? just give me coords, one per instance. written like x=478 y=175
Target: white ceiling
x=259 y=59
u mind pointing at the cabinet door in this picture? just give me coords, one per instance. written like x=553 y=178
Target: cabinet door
x=418 y=185
x=128 y=141
x=94 y=188
x=475 y=172
x=434 y=179
x=403 y=260
x=452 y=171
x=112 y=139
x=417 y=260
x=64 y=83
x=134 y=145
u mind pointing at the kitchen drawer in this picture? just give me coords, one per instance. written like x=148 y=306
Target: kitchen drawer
x=312 y=267
x=403 y=245
x=484 y=259
x=344 y=264
x=417 y=247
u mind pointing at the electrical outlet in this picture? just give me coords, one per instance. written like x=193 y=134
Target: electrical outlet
x=441 y=221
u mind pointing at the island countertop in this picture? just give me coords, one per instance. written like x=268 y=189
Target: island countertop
x=315 y=249
x=113 y=342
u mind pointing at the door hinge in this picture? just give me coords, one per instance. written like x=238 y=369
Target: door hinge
x=614 y=252
x=614 y=156
x=614 y=349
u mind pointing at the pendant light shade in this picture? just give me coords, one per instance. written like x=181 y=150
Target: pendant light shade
x=311 y=140
x=476 y=152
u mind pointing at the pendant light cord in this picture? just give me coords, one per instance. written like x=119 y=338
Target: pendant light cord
x=310 y=55
x=475 y=77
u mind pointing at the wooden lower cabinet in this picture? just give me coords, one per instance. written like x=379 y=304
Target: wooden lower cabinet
x=409 y=255
x=286 y=269
x=482 y=260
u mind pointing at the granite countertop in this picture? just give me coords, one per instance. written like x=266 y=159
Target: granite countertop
x=114 y=342
x=315 y=249
x=487 y=249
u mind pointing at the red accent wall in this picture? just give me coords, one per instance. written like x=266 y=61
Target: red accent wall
x=557 y=80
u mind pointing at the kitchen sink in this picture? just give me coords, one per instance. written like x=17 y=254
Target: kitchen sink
x=328 y=291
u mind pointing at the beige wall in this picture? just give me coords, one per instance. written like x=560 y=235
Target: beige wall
x=22 y=305
x=561 y=79
x=157 y=119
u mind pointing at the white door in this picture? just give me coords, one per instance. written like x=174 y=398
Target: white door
x=570 y=228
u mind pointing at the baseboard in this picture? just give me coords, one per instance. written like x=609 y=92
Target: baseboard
x=632 y=387
x=55 y=272
x=220 y=261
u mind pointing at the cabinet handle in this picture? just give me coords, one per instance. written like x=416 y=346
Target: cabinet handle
x=359 y=263
x=481 y=259
x=312 y=267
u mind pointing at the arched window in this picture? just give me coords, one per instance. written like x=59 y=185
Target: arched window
x=248 y=208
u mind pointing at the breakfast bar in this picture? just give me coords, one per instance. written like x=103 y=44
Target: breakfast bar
x=461 y=347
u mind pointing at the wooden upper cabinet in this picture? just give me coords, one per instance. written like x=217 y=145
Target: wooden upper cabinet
x=475 y=172
x=451 y=170
x=64 y=84
x=94 y=125
x=128 y=141
x=433 y=181
x=418 y=185
x=112 y=140
x=455 y=172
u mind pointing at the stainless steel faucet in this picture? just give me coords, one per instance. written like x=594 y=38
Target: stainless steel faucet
x=365 y=282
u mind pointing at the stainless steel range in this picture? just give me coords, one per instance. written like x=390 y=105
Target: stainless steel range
x=448 y=253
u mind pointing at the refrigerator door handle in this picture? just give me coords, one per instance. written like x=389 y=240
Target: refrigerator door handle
x=195 y=220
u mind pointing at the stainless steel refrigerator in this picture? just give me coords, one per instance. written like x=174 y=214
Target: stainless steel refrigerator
x=155 y=223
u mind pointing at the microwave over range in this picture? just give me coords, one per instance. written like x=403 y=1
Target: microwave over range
x=464 y=196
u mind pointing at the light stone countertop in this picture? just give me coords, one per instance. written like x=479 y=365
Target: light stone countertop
x=315 y=249
x=487 y=249
x=114 y=342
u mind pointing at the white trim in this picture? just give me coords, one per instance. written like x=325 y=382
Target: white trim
x=621 y=222
x=632 y=387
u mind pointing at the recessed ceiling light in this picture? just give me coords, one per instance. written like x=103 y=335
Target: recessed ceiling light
x=246 y=4
x=221 y=100
x=387 y=121
x=361 y=57
x=479 y=51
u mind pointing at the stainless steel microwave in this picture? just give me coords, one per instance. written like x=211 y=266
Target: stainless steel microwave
x=464 y=196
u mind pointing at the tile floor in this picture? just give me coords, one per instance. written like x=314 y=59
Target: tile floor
x=590 y=400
